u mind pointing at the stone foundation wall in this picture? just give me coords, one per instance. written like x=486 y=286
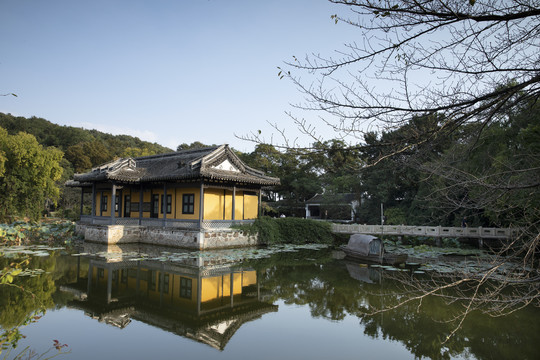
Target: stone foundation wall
x=215 y=239
x=173 y=237
x=189 y=239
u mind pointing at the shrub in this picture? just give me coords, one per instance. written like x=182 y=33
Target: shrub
x=289 y=230
x=451 y=243
x=301 y=231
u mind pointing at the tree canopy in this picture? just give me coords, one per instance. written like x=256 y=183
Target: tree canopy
x=465 y=60
x=28 y=175
x=440 y=98
x=82 y=149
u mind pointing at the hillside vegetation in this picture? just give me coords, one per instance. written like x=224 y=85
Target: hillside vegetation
x=37 y=138
x=82 y=148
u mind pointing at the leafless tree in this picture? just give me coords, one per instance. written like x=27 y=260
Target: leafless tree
x=469 y=63
x=464 y=59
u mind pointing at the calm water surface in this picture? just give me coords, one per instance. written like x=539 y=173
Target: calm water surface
x=144 y=303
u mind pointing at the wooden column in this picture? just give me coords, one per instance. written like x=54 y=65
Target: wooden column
x=164 y=204
x=93 y=199
x=161 y=284
x=258 y=286
x=82 y=200
x=140 y=203
x=78 y=269
x=138 y=286
x=101 y=203
x=259 y=208
x=232 y=290
x=201 y=205
x=90 y=273
x=109 y=282
x=199 y=290
x=224 y=204
x=113 y=203
x=233 y=202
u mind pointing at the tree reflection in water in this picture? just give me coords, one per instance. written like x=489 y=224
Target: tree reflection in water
x=201 y=307
x=334 y=289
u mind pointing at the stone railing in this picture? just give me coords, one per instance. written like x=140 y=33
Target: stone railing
x=435 y=231
x=167 y=223
x=223 y=224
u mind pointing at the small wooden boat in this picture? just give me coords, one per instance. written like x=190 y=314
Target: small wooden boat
x=371 y=249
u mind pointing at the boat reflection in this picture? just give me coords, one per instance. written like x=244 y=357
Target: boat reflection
x=206 y=300
x=364 y=273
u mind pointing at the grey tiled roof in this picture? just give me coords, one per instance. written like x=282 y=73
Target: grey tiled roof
x=342 y=198
x=182 y=165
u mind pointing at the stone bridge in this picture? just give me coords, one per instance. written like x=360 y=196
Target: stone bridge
x=433 y=231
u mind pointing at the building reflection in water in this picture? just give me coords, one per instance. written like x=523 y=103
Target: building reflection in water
x=198 y=298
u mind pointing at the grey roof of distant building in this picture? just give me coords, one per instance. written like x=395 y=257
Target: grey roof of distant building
x=342 y=198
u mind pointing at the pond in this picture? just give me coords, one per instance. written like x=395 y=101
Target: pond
x=303 y=302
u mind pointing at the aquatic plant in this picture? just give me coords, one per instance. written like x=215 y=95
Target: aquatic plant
x=20 y=232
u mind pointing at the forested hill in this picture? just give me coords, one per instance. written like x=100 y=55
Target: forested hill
x=82 y=148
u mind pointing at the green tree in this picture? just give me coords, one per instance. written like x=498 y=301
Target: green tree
x=337 y=165
x=299 y=180
x=481 y=65
x=76 y=155
x=134 y=152
x=29 y=175
x=193 y=145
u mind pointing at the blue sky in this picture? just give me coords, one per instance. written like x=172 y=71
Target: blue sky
x=169 y=72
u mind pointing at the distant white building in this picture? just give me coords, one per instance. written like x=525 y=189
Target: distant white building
x=332 y=206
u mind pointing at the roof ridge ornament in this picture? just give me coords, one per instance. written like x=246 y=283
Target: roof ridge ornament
x=115 y=165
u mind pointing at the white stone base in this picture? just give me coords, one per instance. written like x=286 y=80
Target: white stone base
x=180 y=238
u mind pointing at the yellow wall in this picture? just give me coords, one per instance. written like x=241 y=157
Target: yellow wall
x=212 y=288
x=239 y=205
x=108 y=194
x=217 y=203
x=179 y=195
x=237 y=284
x=216 y=287
x=147 y=196
x=135 y=199
x=249 y=278
x=159 y=192
x=228 y=204
x=98 y=203
x=213 y=204
x=251 y=206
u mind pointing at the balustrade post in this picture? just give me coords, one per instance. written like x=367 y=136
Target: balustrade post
x=438 y=241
